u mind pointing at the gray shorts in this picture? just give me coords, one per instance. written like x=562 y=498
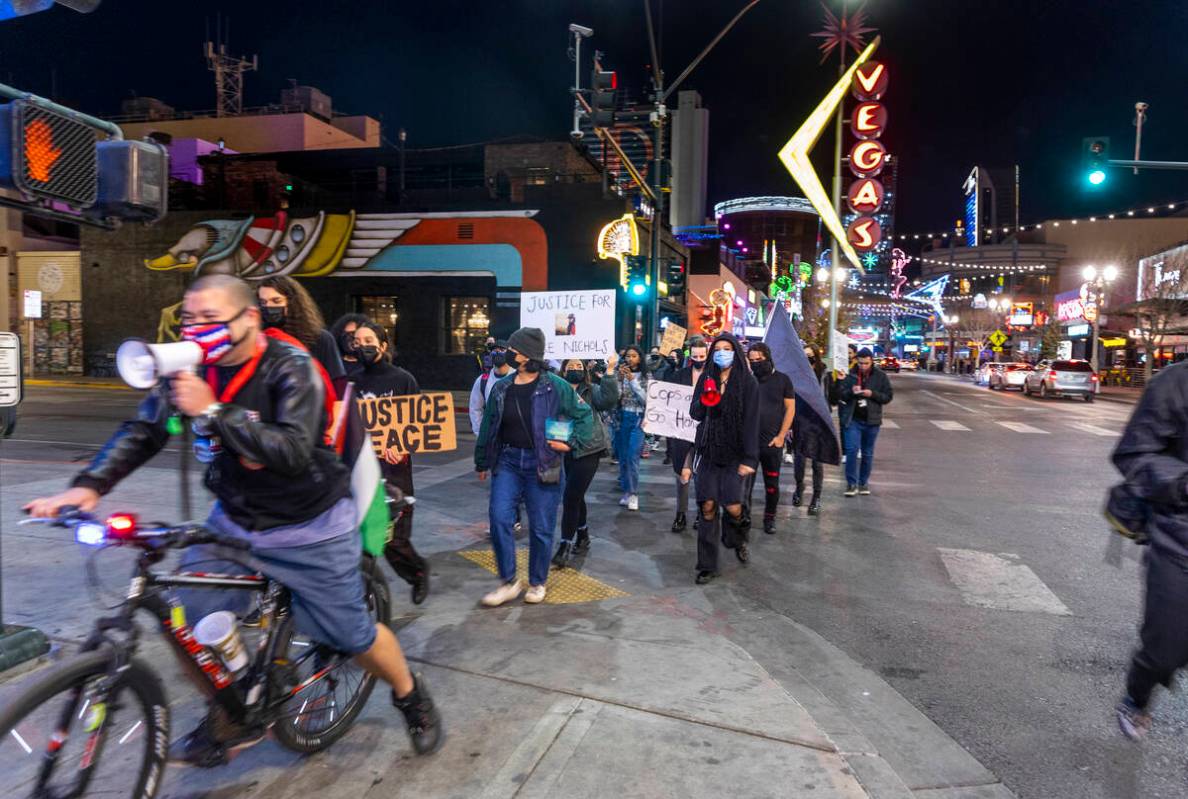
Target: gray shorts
x=323 y=578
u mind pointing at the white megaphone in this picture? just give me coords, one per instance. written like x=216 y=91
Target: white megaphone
x=141 y=364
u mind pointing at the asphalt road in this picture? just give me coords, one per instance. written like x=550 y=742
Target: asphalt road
x=975 y=580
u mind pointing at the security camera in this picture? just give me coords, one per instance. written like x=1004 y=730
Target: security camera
x=1141 y=107
x=581 y=30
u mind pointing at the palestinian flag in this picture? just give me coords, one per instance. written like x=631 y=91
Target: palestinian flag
x=367 y=483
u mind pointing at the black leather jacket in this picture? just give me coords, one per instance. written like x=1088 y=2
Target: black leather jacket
x=277 y=420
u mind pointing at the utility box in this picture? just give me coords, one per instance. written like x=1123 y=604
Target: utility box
x=310 y=100
x=133 y=180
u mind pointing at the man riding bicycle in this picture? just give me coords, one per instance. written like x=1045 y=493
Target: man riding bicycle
x=259 y=411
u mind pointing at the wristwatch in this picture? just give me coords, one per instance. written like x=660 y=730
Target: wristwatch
x=205 y=418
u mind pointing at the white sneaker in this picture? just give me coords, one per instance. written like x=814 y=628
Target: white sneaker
x=535 y=595
x=624 y=499
x=633 y=502
x=504 y=593
x=788 y=458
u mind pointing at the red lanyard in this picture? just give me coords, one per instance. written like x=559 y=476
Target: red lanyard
x=241 y=377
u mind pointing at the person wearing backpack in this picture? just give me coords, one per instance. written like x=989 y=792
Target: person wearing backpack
x=480 y=392
x=1152 y=456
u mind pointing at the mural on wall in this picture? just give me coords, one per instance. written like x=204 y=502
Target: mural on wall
x=510 y=245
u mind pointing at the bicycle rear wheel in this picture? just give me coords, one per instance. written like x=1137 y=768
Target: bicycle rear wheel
x=319 y=713
x=68 y=733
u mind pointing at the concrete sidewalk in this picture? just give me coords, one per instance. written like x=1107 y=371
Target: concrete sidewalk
x=665 y=690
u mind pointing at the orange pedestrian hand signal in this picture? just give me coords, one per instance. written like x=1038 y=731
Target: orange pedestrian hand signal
x=40 y=152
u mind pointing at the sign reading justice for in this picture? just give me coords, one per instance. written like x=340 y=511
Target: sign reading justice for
x=576 y=324
x=411 y=423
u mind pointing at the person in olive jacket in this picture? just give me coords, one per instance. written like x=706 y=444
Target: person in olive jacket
x=860 y=397
x=581 y=464
x=524 y=458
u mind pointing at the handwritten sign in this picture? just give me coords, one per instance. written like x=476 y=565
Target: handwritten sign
x=841 y=353
x=674 y=339
x=412 y=423
x=576 y=324
x=667 y=412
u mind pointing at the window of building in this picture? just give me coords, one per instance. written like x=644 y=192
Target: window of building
x=538 y=175
x=383 y=310
x=467 y=321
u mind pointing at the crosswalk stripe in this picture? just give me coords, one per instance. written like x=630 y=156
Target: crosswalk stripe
x=1085 y=427
x=1020 y=427
x=987 y=580
x=949 y=424
x=890 y=424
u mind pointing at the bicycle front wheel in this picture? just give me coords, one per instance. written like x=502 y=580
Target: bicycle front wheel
x=75 y=731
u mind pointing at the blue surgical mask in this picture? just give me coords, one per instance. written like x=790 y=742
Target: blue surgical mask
x=724 y=358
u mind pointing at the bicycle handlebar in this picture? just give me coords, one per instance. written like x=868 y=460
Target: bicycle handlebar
x=156 y=534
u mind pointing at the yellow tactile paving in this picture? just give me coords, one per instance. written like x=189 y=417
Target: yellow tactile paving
x=564 y=586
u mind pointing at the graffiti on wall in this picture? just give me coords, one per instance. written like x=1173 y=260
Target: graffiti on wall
x=510 y=245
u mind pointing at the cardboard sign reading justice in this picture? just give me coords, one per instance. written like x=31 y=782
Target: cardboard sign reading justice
x=412 y=423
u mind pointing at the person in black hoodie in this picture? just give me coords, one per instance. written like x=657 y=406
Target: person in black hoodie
x=380 y=378
x=678 y=449
x=726 y=451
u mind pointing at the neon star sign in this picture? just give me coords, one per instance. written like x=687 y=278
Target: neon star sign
x=931 y=293
x=794 y=155
x=617 y=240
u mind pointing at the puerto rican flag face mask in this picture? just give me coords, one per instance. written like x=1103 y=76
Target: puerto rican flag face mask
x=213 y=337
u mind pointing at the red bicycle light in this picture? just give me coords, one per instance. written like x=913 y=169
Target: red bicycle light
x=121 y=525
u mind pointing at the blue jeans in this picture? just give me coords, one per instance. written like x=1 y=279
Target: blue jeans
x=515 y=480
x=628 y=447
x=859 y=437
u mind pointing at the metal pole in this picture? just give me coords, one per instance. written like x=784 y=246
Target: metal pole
x=403 y=139
x=835 y=258
x=577 y=85
x=653 y=313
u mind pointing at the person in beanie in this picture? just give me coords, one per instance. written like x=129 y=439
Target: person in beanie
x=726 y=451
x=860 y=397
x=525 y=462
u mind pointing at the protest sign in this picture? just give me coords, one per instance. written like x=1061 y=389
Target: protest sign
x=841 y=353
x=674 y=339
x=410 y=423
x=667 y=412
x=576 y=324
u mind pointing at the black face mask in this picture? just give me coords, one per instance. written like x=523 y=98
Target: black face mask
x=369 y=355
x=530 y=366
x=576 y=376
x=346 y=344
x=762 y=368
x=698 y=363
x=274 y=315
x=499 y=359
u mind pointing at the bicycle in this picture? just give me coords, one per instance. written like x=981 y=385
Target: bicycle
x=103 y=713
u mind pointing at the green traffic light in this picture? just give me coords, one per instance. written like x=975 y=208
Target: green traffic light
x=1097 y=177
x=639 y=289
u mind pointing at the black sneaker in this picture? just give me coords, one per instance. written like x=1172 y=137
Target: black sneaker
x=209 y=744
x=1134 y=722
x=797 y=498
x=851 y=490
x=583 y=541
x=814 y=507
x=769 y=525
x=864 y=490
x=420 y=587
x=704 y=577
x=742 y=552
x=679 y=523
x=561 y=559
x=421 y=716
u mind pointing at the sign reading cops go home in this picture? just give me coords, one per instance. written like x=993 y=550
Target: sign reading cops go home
x=411 y=423
x=667 y=413
x=576 y=324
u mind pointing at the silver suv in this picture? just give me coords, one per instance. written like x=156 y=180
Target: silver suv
x=1062 y=379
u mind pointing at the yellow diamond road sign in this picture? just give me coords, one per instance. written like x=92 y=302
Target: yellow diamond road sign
x=997 y=338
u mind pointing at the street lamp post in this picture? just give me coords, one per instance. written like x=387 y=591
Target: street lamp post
x=1096 y=282
x=950 y=322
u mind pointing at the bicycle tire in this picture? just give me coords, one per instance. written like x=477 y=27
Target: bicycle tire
x=287 y=734
x=138 y=678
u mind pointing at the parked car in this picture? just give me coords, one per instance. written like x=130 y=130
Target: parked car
x=889 y=363
x=1059 y=378
x=1012 y=375
x=910 y=364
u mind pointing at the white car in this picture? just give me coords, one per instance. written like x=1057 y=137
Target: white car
x=1012 y=375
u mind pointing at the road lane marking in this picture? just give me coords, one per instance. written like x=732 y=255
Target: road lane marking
x=987 y=580
x=949 y=424
x=939 y=398
x=890 y=425
x=1020 y=427
x=1085 y=427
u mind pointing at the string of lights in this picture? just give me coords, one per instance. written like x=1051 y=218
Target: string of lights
x=1001 y=268
x=1147 y=211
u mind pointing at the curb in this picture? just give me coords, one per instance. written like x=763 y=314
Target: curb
x=51 y=383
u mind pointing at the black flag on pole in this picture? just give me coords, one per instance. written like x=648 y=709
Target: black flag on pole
x=813 y=435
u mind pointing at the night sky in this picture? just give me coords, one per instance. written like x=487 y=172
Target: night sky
x=994 y=82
